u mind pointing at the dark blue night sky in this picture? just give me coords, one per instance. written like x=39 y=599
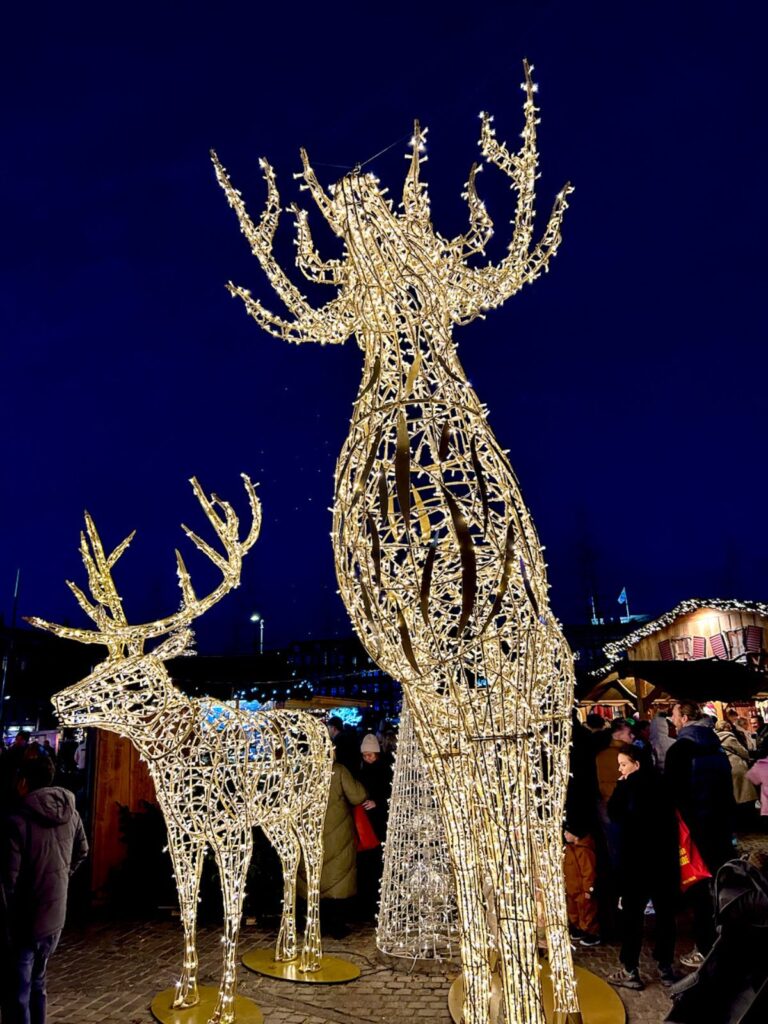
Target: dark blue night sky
x=628 y=384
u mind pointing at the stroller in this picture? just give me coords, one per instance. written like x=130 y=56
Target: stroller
x=731 y=986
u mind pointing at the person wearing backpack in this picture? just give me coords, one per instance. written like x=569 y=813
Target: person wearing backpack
x=697 y=777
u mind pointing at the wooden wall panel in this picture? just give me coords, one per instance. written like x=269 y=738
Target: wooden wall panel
x=121 y=778
x=703 y=622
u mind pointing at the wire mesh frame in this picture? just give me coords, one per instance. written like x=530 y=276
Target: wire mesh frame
x=436 y=555
x=417 y=917
x=218 y=771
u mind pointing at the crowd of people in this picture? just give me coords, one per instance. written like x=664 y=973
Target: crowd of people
x=651 y=815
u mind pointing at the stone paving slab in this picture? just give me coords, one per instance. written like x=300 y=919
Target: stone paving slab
x=109 y=973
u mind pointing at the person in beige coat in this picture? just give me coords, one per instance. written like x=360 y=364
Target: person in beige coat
x=744 y=792
x=338 y=881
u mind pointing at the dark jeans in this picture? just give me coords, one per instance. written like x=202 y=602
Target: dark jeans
x=633 y=903
x=702 y=902
x=27 y=998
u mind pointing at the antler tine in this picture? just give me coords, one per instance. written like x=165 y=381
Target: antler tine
x=98 y=567
x=254 y=506
x=520 y=167
x=260 y=237
x=490 y=286
x=308 y=259
x=82 y=600
x=84 y=636
x=229 y=565
x=106 y=609
x=332 y=324
x=316 y=190
x=415 y=195
x=480 y=223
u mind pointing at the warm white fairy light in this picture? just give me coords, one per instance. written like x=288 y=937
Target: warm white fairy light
x=218 y=771
x=417 y=917
x=436 y=555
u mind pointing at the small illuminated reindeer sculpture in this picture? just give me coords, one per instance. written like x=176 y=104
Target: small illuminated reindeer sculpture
x=218 y=771
x=436 y=555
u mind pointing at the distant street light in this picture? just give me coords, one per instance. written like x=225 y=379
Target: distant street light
x=260 y=619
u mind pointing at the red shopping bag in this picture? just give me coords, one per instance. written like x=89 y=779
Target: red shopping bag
x=366 y=837
x=692 y=866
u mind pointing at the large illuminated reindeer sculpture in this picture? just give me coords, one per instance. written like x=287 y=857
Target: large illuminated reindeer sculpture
x=436 y=555
x=218 y=772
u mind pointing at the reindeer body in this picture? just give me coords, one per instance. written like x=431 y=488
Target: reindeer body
x=422 y=543
x=436 y=555
x=218 y=771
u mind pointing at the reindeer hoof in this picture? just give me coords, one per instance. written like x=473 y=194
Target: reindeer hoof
x=184 y=1001
x=285 y=955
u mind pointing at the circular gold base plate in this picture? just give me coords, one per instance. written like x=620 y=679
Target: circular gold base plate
x=246 y=1011
x=333 y=970
x=600 y=1004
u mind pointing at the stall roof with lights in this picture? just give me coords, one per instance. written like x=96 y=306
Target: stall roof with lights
x=702 y=649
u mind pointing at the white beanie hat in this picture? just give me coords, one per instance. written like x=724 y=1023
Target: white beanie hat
x=370 y=744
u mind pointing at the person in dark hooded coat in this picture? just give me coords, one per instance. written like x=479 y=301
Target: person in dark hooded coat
x=44 y=843
x=731 y=986
x=697 y=776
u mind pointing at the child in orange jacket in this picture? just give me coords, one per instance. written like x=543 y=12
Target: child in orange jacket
x=580 y=867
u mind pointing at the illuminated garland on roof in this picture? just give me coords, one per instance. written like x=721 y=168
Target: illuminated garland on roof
x=614 y=650
x=437 y=557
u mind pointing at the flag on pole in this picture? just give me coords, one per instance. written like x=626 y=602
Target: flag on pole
x=623 y=596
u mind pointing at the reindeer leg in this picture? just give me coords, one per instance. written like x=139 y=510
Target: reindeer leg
x=508 y=811
x=552 y=780
x=287 y=847
x=309 y=830
x=452 y=788
x=233 y=855
x=187 y=860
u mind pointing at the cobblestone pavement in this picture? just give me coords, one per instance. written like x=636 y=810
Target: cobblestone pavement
x=109 y=973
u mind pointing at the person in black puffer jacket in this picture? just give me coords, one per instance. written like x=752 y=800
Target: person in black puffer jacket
x=44 y=843
x=649 y=865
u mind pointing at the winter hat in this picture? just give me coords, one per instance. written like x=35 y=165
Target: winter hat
x=370 y=744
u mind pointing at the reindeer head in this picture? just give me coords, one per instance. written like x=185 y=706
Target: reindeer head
x=398 y=256
x=131 y=689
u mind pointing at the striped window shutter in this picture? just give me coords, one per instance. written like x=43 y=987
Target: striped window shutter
x=754 y=639
x=717 y=643
x=665 y=650
x=699 y=647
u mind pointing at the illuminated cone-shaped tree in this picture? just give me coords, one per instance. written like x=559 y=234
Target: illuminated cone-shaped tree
x=437 y=558
x=417 y=910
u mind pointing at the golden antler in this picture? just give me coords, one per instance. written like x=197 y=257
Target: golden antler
x=333 y=323
x=490 y=286
x=113 y=629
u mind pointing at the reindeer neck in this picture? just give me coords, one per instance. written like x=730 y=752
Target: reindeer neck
x=165 y=727
x=410 y=367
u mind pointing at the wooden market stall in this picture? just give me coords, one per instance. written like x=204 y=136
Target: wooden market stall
x=700 y=650
x=121 y=780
